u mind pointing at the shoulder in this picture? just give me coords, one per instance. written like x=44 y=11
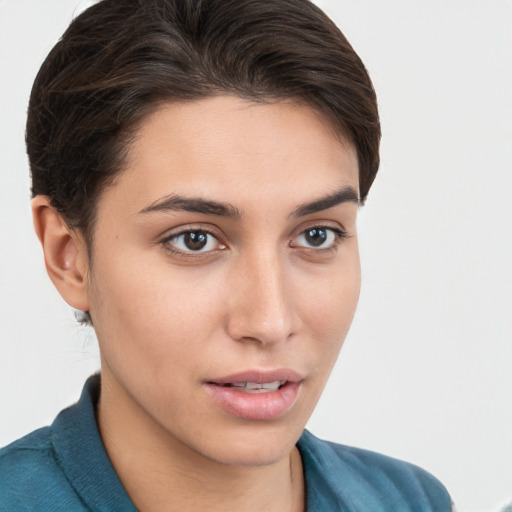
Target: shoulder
x=367 y=480
x=24 y=459
x=30 y=475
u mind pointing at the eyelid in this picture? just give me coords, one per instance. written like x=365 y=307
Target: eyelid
x=339 y=232
x=165 y=240
x=319 y=223
x=185 y=228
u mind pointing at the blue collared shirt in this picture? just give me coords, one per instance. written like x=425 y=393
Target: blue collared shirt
x=65 y=468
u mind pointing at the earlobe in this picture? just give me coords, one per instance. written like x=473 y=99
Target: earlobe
x=65 y=253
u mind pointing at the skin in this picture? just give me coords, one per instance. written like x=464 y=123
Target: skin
x=258 y=297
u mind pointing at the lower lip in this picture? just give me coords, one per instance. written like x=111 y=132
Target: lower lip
x=255 y=406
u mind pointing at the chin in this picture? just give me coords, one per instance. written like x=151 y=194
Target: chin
x=255 y=455
x=254 y=445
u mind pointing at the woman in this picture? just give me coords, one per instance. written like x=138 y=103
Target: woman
x=197 y=169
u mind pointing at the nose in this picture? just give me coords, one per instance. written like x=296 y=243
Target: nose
x=261 y=303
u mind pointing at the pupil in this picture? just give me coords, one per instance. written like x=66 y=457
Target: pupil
x=195 y=240
x=316 y=236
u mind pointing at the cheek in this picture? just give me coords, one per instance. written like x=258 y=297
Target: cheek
x=332 y=301
x=328 y=310
x=149 y=311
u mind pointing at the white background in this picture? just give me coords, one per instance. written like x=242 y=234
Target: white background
x=425 y=374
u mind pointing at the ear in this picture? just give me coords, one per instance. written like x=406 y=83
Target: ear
x=65 y=253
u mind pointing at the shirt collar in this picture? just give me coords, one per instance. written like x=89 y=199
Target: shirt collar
x=82 y=456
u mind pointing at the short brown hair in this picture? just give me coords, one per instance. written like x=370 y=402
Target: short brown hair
x=120 y=58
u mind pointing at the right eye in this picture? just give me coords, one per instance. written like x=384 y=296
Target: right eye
x=193 y=241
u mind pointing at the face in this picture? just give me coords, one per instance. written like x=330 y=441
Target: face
x=225 y=275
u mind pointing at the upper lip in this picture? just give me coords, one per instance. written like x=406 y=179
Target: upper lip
x=259 y=376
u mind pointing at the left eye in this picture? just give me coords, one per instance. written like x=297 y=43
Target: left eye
x=194 y=241
x=318 y=237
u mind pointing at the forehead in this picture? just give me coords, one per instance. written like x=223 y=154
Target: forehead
x=226 y=145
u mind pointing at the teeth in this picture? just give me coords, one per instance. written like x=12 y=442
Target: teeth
x=256 y=387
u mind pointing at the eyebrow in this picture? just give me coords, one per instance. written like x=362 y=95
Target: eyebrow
x=344 y=195
x=176 y=202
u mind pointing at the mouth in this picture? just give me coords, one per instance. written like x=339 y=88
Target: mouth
x=256 y=395
x=255 y=387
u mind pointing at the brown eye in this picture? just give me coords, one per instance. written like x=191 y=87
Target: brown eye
x=198 y=241
x=195 y=240
x=315 y=237
x=319 y=237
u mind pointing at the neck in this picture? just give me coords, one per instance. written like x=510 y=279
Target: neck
x=160 y=474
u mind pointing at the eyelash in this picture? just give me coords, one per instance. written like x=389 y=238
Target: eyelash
x=339 y=236
x=168 y=245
